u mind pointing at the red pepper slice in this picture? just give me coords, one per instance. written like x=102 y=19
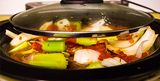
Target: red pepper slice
x=20 y=37
x=36 y=46
x=52 y=27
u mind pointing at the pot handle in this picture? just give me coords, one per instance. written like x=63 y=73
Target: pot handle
x=122 y=2
x=80 y=1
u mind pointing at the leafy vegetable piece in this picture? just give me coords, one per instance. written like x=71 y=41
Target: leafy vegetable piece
x=28 y=51
x=10 y=34
x=53 y=60
x=54 y=45
x=21 y=38
x=119 y=60
x=148 y=35
x=111 y=62
x=127 y=43
x=87 y=41
x=123 y=43
x=19 y=47
x=95 y=65
x=17 y=39
x=142 y=47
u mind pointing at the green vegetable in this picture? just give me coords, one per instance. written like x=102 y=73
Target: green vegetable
x=54 y=61
x=28 y=51
x=87 y=41
x=63 y=35
x=95 y=65
x=108 y=38
x=78 y=24
x=54 y=45
x=19 y=47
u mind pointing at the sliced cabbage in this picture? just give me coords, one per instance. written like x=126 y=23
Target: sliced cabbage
x=17 y=39
x=108 y=62
x=119 y=60
x=149 y=35
x=142 y=47
x=10 y=34
x=21 y=38
x=127 y=43
x=19 y=47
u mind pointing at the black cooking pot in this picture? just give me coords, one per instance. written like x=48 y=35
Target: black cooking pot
x=140 y=70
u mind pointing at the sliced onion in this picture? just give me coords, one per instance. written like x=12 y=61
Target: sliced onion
x=148 y=35
x=126 y=43
x=110 y=62
x=119 y=60
x=140 y=49
x=86 y=56
x=106 y=63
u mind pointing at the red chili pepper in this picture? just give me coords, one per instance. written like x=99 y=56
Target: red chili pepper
x=36 y=46
x=52 y=27
x=104 y=56
x=20 y=37
x=70 y=42
x=129 y=36
x=71 y=28
x=126 y=58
